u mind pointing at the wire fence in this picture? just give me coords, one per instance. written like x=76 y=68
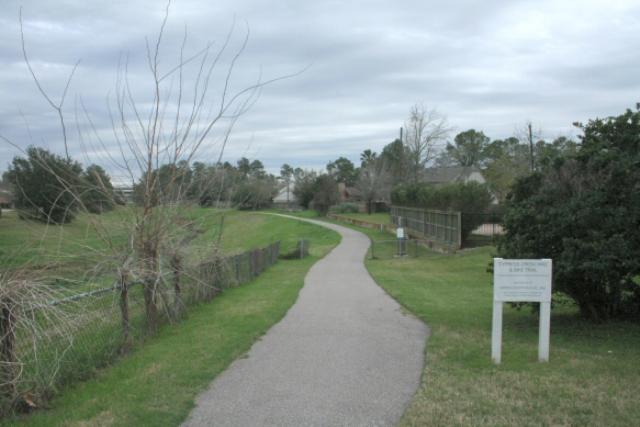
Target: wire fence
x=449 y=229
x=404 y=248
x=104 y=323
x=441 y=227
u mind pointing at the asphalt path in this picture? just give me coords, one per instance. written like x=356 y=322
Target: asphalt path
x=345 y=354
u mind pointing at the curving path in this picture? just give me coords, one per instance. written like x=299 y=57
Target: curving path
x=344 y=355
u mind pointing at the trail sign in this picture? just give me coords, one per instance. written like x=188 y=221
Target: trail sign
x=521 y=280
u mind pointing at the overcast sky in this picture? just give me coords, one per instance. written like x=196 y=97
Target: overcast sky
x=487 y=65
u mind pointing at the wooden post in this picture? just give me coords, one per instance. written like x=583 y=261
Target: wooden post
x=176 y=265
x=496 y=333
x=459 y=230
x=124 y=312
x=545 y=327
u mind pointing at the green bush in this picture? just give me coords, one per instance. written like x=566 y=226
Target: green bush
x=470 y=198
x=345 y=207
x=583 y=211
x=44 y=186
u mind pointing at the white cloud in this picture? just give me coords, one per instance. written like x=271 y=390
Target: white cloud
x=488 y=67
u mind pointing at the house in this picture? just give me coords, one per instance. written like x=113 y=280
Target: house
x=453 y=174
x=285 y=198
x=348 y=194
x=6 y=199
x=354 y=195
x=125 y=192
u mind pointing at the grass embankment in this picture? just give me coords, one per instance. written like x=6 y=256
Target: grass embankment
x=593 y=377
x=157 y=383
x=66 y=249
x=71 y=252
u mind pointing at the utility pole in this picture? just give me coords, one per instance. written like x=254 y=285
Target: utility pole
x=401 y=134
x=530 y=145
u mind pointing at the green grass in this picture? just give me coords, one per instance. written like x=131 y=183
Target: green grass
x=593 y=377
x=243 y=230
x=375 y=218
x=69 y=252
x=71 y=247
x=156 y=384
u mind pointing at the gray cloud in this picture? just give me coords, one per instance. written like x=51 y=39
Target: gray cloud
x=489 y=66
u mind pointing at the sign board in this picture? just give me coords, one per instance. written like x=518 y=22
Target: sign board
x=521 y=280
x=400 y=233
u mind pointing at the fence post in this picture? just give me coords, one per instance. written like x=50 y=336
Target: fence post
x=7 y=350
x=459 y=230
x=124 y=311
x=176 y=266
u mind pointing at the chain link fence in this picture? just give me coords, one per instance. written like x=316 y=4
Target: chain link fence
x=405 y=248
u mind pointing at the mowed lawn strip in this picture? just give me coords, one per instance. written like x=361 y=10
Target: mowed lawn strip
x=374 y=218
x=156 y=385
x=593 y=377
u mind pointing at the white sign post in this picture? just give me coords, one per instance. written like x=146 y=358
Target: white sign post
x=401 y=241
x=521 y=280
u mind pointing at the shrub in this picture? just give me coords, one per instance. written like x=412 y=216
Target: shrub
x=583 y=211
x=44 y=186
x=304 y=188
x=345 y=207
x=97 y=192
x=255 y=193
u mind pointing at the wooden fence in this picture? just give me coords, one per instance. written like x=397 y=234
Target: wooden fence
x=441 y=228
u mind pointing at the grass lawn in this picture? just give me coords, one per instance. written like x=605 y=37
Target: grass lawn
x=157 y=383
x=70 y=251
x=593 y=377
x=375 y=218
x=72 y=246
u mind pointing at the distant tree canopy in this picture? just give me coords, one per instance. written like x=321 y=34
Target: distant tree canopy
x=304 y=188
x=396 y=157
x=367 y=156
x=246 y=186
x=374 y=182
x=325 y=193
x=343 y=170
x=425 y=129
x=45 y=186
x=96 y=190
x=469 y=148
x=582 y=209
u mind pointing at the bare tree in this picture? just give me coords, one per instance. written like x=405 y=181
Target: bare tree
x=156 y=136
x=529 y=135
x=374 y=182
x=425 y=129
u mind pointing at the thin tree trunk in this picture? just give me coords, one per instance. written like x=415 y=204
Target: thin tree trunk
x=7 y=354
x=124 y=310
x=176 y=265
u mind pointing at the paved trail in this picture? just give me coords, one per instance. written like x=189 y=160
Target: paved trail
x=344 y=355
